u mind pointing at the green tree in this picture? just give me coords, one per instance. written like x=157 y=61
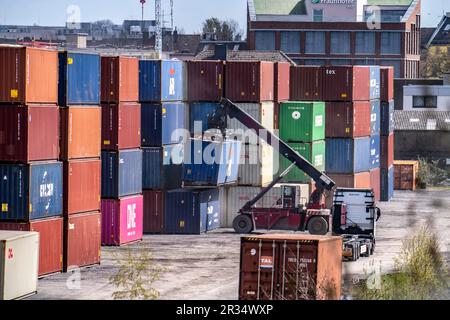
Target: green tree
x=223 y=30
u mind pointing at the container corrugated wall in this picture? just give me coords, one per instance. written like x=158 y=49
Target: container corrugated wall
x=348 y=119
x=206 y=80
x=387 y=184
x=119 y=79
x=360 y=180
x=375 y=82
x=375 y=182
x=346 y=83
x=152 y=159
x=348 y=155
x=153 y=212
x=306 y=83
x=375 y=144
x=256 y=165
x=282 y=75
x=386 y=84
x=375 y=117
x=387 y=117
x=261 y=112
x=198 y=117
x=387 y=151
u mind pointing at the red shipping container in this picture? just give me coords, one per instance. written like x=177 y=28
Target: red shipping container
x=306 y=83
x=346 y=83
x=282 y=75
x=205 y=80
x=121 y=126
x=387 y=151
x=80 y=132
x=122 y=220
x=249 y=81
x=386 y=84
x=347 y=119
x=82 y=186
x=50 y=242
x=357 y=180
x=120 y=79
x=153 y=212
x=29 y=133
x=28 y=75
x=82 y=240
x=375 y=182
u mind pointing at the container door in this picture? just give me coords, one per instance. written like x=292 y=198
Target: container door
x=406 y=177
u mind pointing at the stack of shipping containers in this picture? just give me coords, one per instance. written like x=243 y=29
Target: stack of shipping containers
x=122 y=200
x=31 y=191
x=80 y=119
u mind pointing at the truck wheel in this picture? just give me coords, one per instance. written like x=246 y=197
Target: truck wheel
x=318 y=226
x=243 y=224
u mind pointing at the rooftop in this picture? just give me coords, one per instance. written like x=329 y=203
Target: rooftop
x=279 y=7
x=422 y=120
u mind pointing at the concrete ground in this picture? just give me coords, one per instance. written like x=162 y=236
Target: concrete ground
x=207 y=266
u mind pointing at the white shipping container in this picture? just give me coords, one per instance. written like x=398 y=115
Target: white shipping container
x=19 y=262
x=256 y=165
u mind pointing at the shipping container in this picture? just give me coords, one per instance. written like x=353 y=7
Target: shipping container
x=162 y=81
x=348 y=155
x=306 y=83
x=282 y=75
x=80 y=132
x=153 y=212
x=354 y=181
x=30 y=192
x=348 y=119
x=82 y=240
x=386 y=84
x=387 y=184
x=121 y=173
x=256 y=165
x=28 y=75
x=121 y=126
x=205 y=79
x=247 y=81
x=119 y=79
x=387 y=117
x=122 y=220
x=199 y=113
x=375 y=182
x=82 y=186
x=50 y=242
x=79 y=79
x=375 y=147
x=387 y=151
x=152 y=159
x=191 y=212
x=405 y=175
x=29 y=133
x=314 y=152
x=375 y=117
x=302 y=121
x=375 y=82
x=346 y=83
x=19 y=263
x=163 y=124
x=290 y=267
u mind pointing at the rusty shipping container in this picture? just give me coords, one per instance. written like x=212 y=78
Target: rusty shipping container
x=153 y=212
x=346 y=83
x=205 y=80
x=50 y=242
x=375 y=182
x=405 y=175
x=249 y=81
x=347 y=119
x=28 y=75
x=29 y=133
x=282 y=76
x=386 y=84
x=387 y=151
x=121 y=126
x=82 y=240
x=306 y=83
x=357 y=181
x=290 y=267
x=82 y=186
x=80 y=132
x=119 y=79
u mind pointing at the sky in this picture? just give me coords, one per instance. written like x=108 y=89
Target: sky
x=188 y=14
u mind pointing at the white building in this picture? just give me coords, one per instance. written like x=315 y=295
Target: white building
x=426 y=98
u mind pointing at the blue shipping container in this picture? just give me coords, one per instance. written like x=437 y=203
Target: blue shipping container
x=387 y=184
x=375 y=82
x=30 y=192
x=152 y=159
x=121 y=173
x=375 y=117
x=348 y=155
x=229 y=165
x=199 y=114
x=163 y=123
x=161 y=81
x=79 y=79
x=387 y=117
x=375 y=147
x=192 y=212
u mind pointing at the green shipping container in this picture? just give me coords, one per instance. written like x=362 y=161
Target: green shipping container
x=314 y=152
x=302 y=121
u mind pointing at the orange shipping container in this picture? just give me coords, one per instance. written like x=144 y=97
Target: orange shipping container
x=120 y=79
x=357 y=180
x=405 y=175
x=28 y=75
x=80 y=132
x=375 y=182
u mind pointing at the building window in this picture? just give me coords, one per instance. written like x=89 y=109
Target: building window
x=365 y=42
x=315 y=42
x=314 y=62
x=390 y=43
x=365 y=62
x=318 y=15
x=393 y=63
x=424 y=102
x=341 y=62
x=290 y=42
x=340 y=42
x=265 y=40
